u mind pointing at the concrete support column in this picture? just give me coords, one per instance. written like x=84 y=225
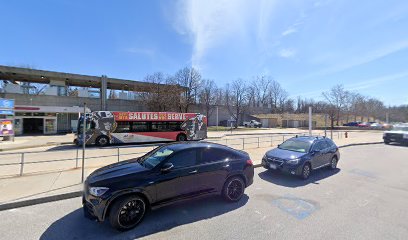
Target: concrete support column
x=103 y=94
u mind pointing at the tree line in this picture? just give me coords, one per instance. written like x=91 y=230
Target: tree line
x=261 y=94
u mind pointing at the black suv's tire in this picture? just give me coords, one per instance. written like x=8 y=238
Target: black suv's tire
x=387 y=142
x=333 y=163
x=306 y=171
x=102 y=141
x=233 y=189
x=127 y=212
x=181 y=137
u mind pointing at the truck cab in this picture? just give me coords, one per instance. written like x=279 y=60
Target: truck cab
x=398 y=134
x=253 y=123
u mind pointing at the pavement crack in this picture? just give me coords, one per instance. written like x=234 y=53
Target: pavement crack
x=55 y=180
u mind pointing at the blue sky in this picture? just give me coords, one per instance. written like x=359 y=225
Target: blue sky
x=308 y=46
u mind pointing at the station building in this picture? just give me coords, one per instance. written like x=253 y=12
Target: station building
x=55 y=109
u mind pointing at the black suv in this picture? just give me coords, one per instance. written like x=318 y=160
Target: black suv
x=170 y=173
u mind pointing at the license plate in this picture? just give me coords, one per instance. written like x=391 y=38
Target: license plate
x=392 y=139
x=272 y=166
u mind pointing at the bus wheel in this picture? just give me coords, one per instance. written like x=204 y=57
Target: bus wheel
x=181 y=137
x=102 y=141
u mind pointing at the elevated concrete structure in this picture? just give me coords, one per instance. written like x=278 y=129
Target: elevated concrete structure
x=103 y=83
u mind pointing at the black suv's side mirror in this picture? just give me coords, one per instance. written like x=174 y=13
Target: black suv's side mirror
x=167 y=167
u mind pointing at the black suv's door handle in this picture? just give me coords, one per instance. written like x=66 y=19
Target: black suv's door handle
x=226 y=166
x=192 y=172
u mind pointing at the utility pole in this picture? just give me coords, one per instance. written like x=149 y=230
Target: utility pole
x=387 y=118
x=325 y=125
x=83 y=143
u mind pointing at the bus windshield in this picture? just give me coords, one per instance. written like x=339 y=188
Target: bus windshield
x=89 y=125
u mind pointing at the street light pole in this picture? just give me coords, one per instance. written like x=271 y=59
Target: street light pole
x=83 y=143
x=217 y=118
x=310 y=121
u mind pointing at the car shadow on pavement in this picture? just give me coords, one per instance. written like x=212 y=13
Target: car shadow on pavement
x=62 y=147
x=287 y=180
x=75 y=226
x=397 y=144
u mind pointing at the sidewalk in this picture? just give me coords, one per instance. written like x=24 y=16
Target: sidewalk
x=24 y=142
x=37 y=141
x=36 y=184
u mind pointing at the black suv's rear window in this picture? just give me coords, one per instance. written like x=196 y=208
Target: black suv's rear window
x=216 y=154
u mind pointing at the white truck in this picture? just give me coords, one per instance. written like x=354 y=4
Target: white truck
x=253 y=123
x=398 y=134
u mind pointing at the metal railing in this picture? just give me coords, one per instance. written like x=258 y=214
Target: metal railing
x=118 y=153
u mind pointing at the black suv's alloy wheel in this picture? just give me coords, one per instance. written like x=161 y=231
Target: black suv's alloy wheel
x=127 y=213
x=234 y=189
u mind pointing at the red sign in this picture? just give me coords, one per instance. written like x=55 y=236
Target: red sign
x=152 y=116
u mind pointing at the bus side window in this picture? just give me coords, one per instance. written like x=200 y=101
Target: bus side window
x=140 y=127
x=175 y=126
x=123 y=127
x=159 y=127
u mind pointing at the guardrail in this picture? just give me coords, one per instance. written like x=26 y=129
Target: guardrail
x=15 y=164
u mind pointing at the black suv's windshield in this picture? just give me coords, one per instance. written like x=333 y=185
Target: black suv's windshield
x=151 y=159
x=296 y=146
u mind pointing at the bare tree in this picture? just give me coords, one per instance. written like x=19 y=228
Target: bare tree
x=208 y=95
x=190 y=78
x=236 y=99
x=258 y=91
x=283 y=96
x=276 y=95
x=161 y=95
x=337 y=98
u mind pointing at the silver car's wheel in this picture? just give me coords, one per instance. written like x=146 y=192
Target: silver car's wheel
x=333 y=163
x=306 y=171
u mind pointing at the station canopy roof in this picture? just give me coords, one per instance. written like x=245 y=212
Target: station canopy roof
x=18 y=74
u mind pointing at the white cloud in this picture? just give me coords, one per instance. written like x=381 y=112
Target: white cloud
x=210 y=23
x=288 y=31
x=287 y=52
x=358 y=59
x=376 y=81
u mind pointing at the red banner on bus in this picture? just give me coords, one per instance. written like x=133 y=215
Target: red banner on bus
x=152 y=116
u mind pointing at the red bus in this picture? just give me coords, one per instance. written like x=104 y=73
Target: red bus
x=106 y=127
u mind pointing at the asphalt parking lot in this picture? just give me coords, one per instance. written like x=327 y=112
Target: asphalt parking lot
x=365 y=198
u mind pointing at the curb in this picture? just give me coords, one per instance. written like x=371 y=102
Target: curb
x=30 y=202
x=65 y=196
x=359 y=144
x=241 y=134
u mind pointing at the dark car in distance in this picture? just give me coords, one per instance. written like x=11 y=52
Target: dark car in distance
x=300 y=155
x=122 y=192
x=351 y=124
